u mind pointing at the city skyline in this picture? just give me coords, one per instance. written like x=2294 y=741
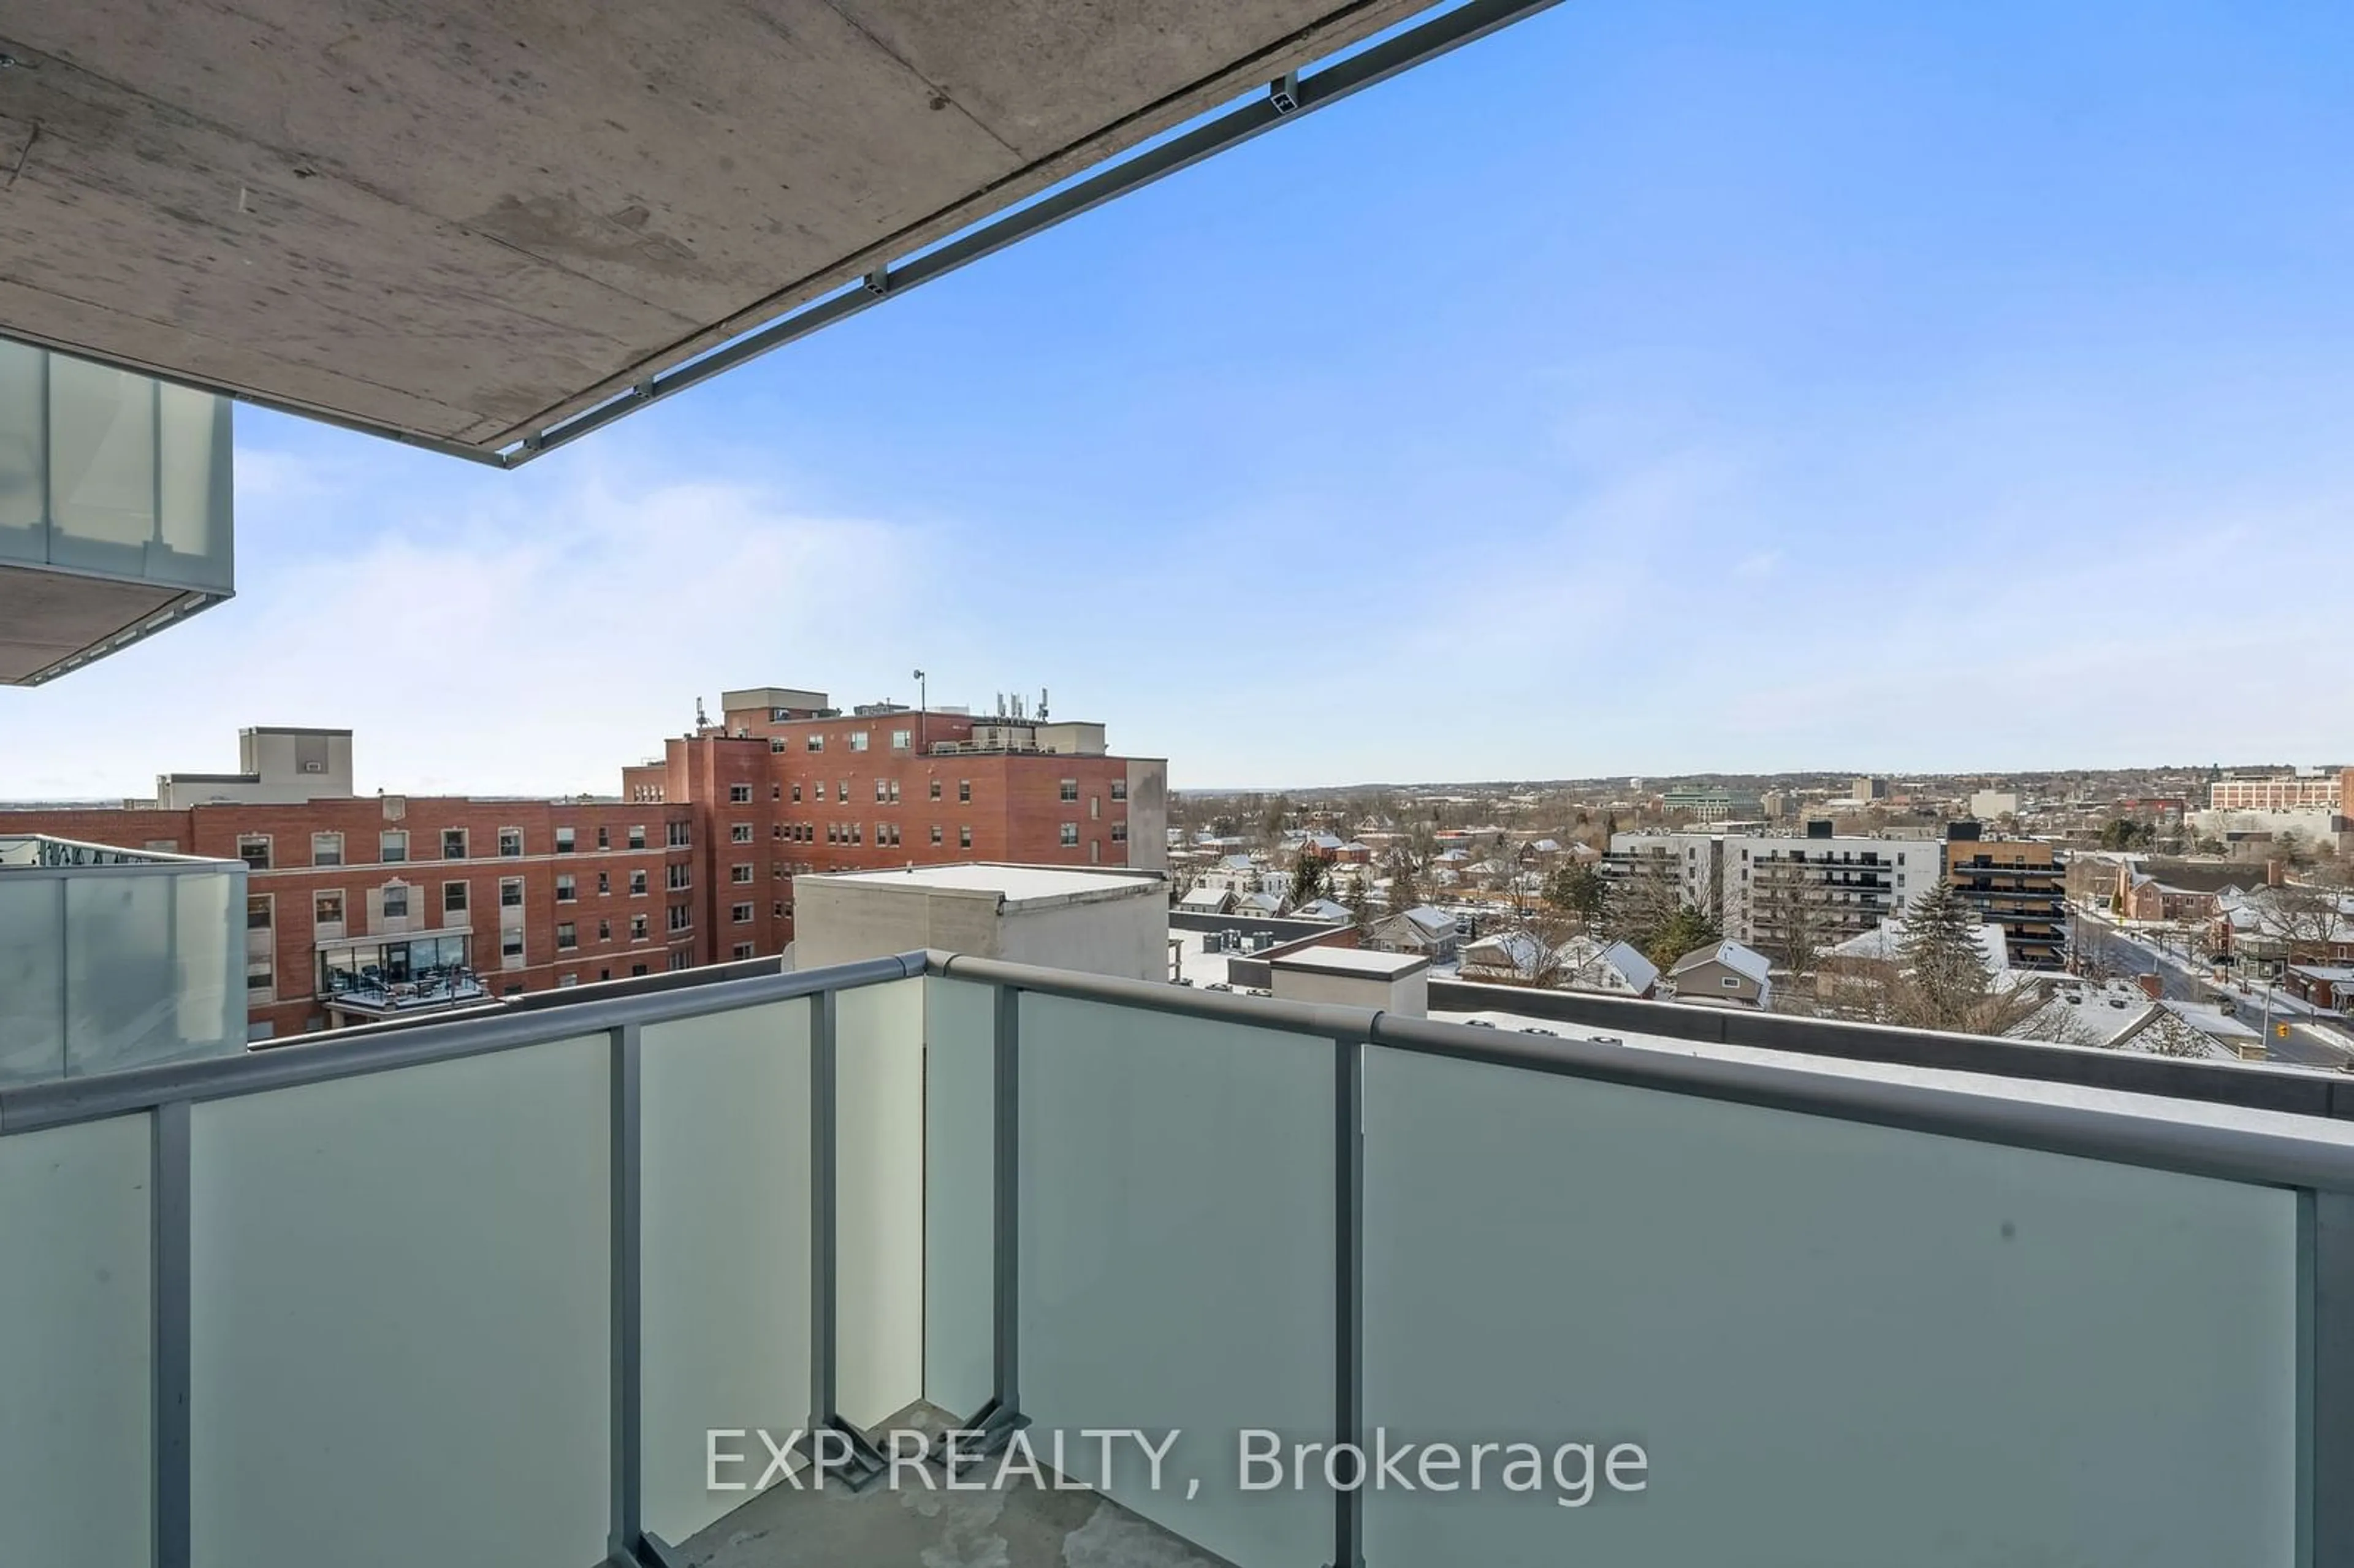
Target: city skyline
x=1641 y=391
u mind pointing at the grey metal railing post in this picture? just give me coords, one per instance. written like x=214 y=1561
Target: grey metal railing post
x=825 y=1019
x=1349 y=1293
x=628 y=1215
x=2325 y=1377
x=1005 y=1303
x=169 y=1301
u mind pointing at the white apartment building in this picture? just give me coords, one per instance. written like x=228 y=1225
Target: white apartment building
x=1693 y=859
x=1835 y=887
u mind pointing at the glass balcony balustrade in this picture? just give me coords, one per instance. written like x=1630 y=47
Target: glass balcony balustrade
x=518 y=1289
x=112 y=959
x=115 y=509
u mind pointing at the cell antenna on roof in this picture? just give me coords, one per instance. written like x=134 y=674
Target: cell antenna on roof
x=701 y=720
x=1042 y=705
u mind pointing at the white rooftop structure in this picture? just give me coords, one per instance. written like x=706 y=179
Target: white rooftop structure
x=1103 y=922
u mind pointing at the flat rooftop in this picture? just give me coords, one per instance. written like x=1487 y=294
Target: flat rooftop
x=1351 y=961
x=1018 y=884
x=461 y=224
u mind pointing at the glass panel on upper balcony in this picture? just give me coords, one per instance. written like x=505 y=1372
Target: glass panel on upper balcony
x=115 y=509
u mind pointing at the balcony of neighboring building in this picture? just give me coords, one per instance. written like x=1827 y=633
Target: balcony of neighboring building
x=112 y=959
x=115 y=510
x=561 y=1287
x=362 y=979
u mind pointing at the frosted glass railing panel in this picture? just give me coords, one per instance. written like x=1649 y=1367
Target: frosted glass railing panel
x=151 y=975
x=401 y=1327
x=101 y=467
x=75 y=1358
x=193 y=488
x=724 y=1276
x=23 y=464
x=1177 y=1258
x=1835 y=1343
x=879 y=1200
x=111 y=472
x=32 y=978
x=960 y=1206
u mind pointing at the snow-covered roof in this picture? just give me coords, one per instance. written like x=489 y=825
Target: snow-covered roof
x=1885 y=943
x=1740 y=959
x=1438 y=922
x=1206 y=898
x=1633 y=968
x=1546 y=846
x=1258 y=903
x=1323 y=909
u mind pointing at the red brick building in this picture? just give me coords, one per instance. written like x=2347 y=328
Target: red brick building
x=366 y=906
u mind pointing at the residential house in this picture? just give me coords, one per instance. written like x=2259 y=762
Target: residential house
x=1323 y=909
x=1724 y=973
x=1617 y=968
x=1208 y=899
x=1422 y=929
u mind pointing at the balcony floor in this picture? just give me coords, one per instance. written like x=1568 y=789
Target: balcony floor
x=1021 y=1527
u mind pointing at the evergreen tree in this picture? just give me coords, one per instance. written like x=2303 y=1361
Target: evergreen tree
x=1680 y=933
x=1945 y=969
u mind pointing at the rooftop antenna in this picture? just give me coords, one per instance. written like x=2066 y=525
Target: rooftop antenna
x=701 y=720
x=1042 y=705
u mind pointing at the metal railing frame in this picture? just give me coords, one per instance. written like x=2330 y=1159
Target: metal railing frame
x=2316 y=1161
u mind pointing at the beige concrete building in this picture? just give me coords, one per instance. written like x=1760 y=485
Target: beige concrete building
x=1102 y=922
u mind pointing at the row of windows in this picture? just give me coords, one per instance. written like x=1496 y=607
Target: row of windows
x=392 y=844
x=901 y=740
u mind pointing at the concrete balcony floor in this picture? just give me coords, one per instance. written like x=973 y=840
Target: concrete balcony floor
x=1019 y=1526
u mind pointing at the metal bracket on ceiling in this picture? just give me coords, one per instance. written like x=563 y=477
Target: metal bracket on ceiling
x=1284 y=92
x=877 y=283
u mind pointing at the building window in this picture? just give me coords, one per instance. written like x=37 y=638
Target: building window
x=254 y=850
x=777 y=910
x=604 y=931
x=510 y=842
x=1070 y=835
x=739 y=794
x=636 y=969
x=739 y=914
x=637 y=927
x=776 y=792
x=638 y=838
x=327 y=909
x=637 y=884
x=453 y=898
x=1120 y=832
x=797 y=794
x=964 y=790
x=604 y=884
x=903 y=740
x=682 y=918
x=882 y=791
x=453 y=843
x=257 y=914
x=565 y=891
x=564 y=982
x=1732 y=982
x=604 y=838
x=858 y=832
x=565 y=936
x=858 y=740
x=739 y=834
x=512 y=990
x=326 y=848
x=1119 y=788
x=938 y=836
x=259 y=975
x=890 y=828
x=564 y=841
x=743 y=949
x=1070 y=789
x=392 y=846
x=739 y=873
x=776 y=744
x=964 y=838
x=511 y=944
x=682 y=835
x=816 y=742
x=678 y=876
x=935 y=789
x=396 y=901
x=842 y=793
x=678 y=959
x=511 y=893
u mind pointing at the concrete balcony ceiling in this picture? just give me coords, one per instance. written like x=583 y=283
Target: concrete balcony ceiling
x=461 y=223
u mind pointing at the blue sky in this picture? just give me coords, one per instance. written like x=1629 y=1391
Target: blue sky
x=1649 y=388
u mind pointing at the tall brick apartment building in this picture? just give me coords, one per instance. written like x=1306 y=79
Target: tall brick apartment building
x=787 y=784
x=368 y=906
